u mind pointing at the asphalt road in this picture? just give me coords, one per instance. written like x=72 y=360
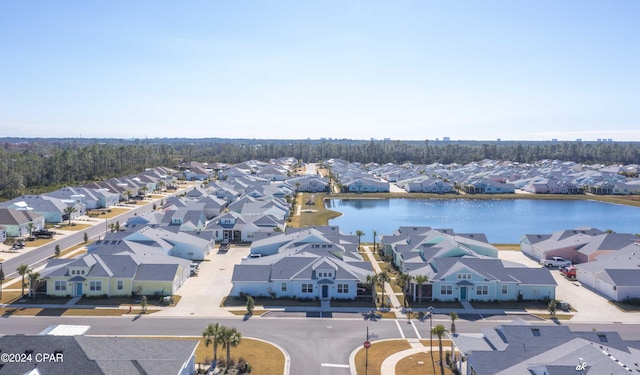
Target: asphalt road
x=316 y=346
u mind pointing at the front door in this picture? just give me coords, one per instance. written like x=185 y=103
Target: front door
x=78 y=289
x=325 y=291
x=463 y=293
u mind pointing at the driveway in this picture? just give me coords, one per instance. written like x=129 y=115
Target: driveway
x=201 y=295
x=590 y=306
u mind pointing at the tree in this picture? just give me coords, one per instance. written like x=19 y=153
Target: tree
x=383 y=278
x=34 y=280
x=375 y=234
x=373 y=281
x=230 y=338
x=359 y=233
x=404 y=279
x=86 y=237
x=57 y=251
x=420 y=280
x=250 y=304
x=68 y=211
x=439 y=331
x=212 y=336
x=23 y=270
x=551 y=306
x=31 y=227
x=143 y=304
x=453 y=315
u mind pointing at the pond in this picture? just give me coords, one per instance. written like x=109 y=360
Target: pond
x=501 y=220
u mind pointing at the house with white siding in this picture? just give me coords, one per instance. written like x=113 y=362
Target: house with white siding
x=306 y=263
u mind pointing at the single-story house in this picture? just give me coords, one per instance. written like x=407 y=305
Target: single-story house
x=56 y=354
x=522 y=348
x=302 y=264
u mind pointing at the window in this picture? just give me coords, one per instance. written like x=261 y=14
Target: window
x=464 y=276
x=343 y=288
x=505 y=289
x=283 y=287
x=120 y=284
x=95 y=285
x=307 y=288
x=60 y=285
x=482 y=290
x=446 y=289
x=535 y=331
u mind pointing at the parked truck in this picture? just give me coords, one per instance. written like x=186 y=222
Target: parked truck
x=555 y=262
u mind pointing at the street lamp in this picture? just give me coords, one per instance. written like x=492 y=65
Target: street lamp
x=1 y=280
x=430 y=308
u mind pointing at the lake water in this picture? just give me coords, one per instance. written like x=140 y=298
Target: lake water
x=502 y=221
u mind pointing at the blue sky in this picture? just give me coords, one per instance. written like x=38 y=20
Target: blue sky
x=515 y=70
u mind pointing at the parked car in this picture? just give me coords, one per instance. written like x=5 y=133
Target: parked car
x=42 y=233
x=555 y=262
x=569 y=272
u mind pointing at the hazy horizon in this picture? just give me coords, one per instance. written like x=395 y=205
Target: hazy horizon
x=515 y=71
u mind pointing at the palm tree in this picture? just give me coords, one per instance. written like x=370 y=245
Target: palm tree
x=453 y=315
x=230 y=338
x=22 y=270
x=34 y=279
x=405 y=280
x=420 y=279
x=373 y=280
x=359 y=233
x=375 y=234
x=31 y=227
x=68 y=211
x=439 y=331
x=383 y=278
x=212 y=336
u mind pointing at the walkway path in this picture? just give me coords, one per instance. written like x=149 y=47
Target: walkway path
x=396 y=306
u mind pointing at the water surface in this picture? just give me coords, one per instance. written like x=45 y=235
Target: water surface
x=501 y=220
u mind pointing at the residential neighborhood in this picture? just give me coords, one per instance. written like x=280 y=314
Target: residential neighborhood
x=250 y=206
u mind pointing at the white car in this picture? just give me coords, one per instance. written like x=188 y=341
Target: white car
x=555 y=262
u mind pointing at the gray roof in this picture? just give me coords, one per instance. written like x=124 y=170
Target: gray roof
x=251 y=272
x=156 y=272
x=516 y=348
x=118 y=355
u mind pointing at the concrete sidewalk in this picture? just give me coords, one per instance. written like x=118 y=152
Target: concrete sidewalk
x=389 y=293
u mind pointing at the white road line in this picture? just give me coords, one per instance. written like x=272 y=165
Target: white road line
x=416 y=329
x=400 y=329
x=334 y=365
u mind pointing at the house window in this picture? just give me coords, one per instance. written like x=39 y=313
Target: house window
x=482 y=290
x=60 y=285
x=95 y=285
x=535 y=331
x=73 y=272
x=343 y=288
x=283 y=287
x=505 y=289
x=82 y=272
x=464 y=276
x=307 y=288
x=446 y=289
x=120 y=284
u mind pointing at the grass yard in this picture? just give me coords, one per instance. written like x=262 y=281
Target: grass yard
x=378 y=352
x=420 y=363
x=263 y=357
x=32 y=311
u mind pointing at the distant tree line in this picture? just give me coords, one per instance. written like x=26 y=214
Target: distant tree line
x=36 y=165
